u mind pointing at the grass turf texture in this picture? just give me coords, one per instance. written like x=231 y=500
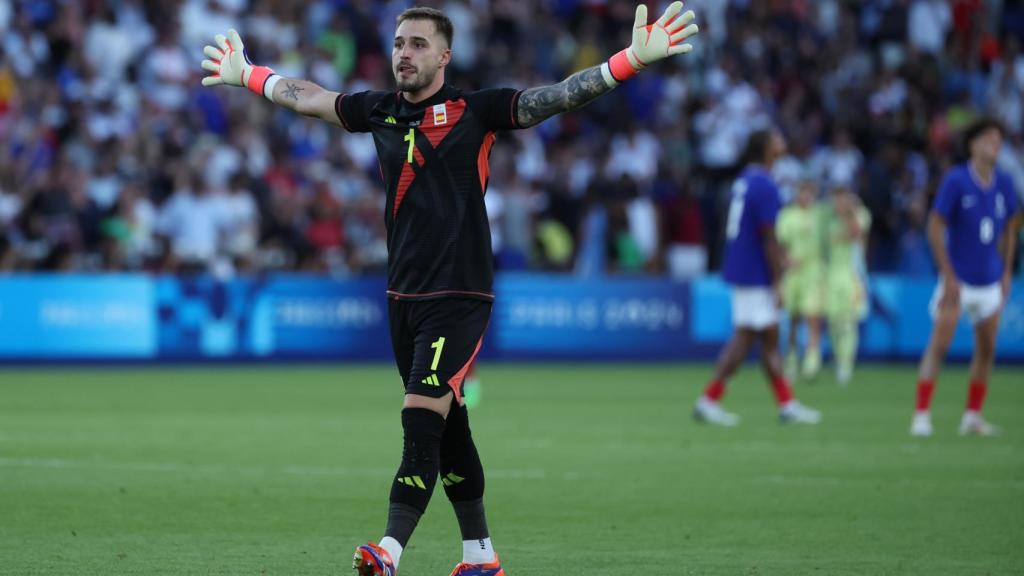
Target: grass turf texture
x=594 y=470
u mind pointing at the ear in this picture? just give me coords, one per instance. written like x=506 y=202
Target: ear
x=446 y=57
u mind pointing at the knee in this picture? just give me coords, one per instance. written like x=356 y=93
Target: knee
x=424 y=434
x=940 y=346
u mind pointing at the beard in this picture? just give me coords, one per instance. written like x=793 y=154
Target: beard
x=418 y=81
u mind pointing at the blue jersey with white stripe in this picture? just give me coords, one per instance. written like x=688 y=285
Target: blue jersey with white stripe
x=976 y=217
x=754 y=205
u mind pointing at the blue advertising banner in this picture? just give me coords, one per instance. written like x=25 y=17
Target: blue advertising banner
x=280 y=316
x=542 y=316
x=536 y=316
x=900 y=323
x=307 y=316
x=76 y=317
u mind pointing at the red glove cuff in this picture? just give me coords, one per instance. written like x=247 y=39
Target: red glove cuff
x=620 y=66
x=258 y=78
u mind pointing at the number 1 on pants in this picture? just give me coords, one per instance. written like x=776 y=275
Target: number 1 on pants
x=437 y=345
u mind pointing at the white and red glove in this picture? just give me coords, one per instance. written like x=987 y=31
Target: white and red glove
x=651 y=42
x=230 y=65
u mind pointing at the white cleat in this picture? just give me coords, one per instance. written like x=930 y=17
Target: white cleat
x=921 y=426
x=712 y=412
x=796 y=413
x=972 y=424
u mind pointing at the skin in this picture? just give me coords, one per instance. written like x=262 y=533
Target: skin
x=743 y=339
x=418 y=59
x=984 y=151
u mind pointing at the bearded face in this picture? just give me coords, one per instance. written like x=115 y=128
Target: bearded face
x=419 y=54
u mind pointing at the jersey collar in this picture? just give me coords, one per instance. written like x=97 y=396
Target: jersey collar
x=443 y=94
x=977 y=179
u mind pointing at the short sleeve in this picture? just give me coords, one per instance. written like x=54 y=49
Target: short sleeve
x=495 y=107
x=945 y=200
x=354 y=109
x=768 y=204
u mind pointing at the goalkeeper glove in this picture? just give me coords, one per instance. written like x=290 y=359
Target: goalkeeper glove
x=230 y=65
x=651 y=42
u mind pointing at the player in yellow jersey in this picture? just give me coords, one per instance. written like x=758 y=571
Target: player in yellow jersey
x=799 y=230
x=846 y=300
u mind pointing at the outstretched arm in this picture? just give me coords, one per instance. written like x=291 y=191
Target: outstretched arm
x=651 y=42
x=540 y=103
x=306 y=98
x=229 y=64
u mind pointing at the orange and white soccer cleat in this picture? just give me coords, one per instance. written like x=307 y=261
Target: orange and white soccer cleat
x=372 y=560
x=490 y=569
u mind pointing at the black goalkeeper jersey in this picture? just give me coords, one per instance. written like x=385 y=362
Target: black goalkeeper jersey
x=434 y=160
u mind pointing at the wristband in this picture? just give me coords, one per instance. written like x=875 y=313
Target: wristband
x=624 y=65
x=620 y=67
x=257 y=79
x=268 y=86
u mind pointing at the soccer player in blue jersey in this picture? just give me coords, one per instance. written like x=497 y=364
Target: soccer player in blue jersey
x=753 y=266
x=971 y=231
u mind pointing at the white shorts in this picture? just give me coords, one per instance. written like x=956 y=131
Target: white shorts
x=754 y=308
x=978 y=302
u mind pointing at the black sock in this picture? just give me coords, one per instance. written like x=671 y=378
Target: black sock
x=463 y=475
x=472 y=520
x=414 y=483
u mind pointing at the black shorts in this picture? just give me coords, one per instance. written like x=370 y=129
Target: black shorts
x=435 y=341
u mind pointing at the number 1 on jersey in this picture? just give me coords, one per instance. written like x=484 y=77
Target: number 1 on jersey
x=732 y=225
x=411 y=139
x=438 y=345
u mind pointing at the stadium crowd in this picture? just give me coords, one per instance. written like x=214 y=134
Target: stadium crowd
x=115 y=158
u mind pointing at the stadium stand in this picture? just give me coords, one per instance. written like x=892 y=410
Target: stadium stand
x=112 y=161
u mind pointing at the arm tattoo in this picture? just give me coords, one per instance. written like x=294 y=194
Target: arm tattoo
x=540 y=103
x=292 y=91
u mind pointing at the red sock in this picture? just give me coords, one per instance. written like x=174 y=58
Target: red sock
x=924 y=394
x=783 y=393
x=715 y=390
x=976 y=395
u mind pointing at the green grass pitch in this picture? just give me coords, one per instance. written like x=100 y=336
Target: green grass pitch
x=592 y=470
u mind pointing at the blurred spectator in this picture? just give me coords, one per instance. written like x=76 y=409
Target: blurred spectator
x=117 y=162
x=928 y=25
x=193 y=221
x=682 y=228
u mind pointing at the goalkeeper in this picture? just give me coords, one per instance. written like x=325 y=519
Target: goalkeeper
x=846 y=301
x=433 y=142
x=799 y=230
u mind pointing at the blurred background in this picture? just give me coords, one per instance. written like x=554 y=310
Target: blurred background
x=116 y=161
x=147 y=220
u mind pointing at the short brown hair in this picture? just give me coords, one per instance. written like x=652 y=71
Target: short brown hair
x=441 y=22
